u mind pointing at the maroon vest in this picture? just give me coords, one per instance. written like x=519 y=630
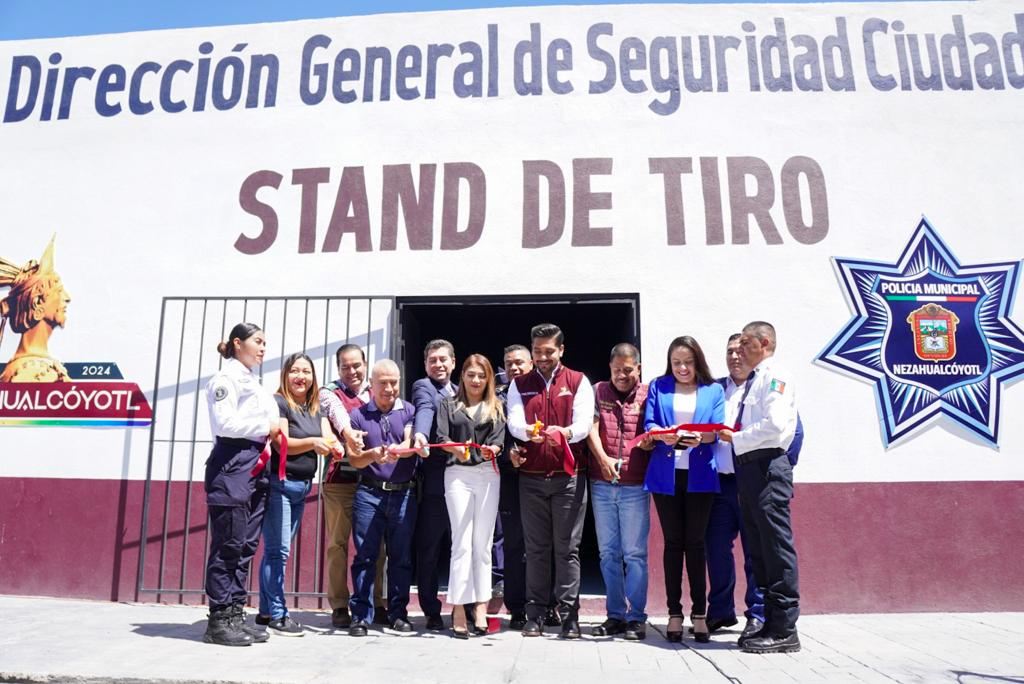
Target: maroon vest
x=339 y=472
x=551 y=406
x=618 y=422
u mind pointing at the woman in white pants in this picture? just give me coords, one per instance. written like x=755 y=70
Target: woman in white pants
x=471 y=485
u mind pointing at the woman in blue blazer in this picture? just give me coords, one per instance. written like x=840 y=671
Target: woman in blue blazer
x=683 y=475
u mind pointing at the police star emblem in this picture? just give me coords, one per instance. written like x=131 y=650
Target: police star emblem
x=934 y=337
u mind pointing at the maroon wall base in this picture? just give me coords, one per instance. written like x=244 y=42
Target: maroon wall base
x=864 y=547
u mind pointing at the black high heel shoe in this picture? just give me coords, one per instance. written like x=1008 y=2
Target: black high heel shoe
x=701 y=633
x=459 y=633
x=674 y=631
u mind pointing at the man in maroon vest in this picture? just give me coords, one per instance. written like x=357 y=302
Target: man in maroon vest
x=347 y=393
x=551 y=410
x=621 y=506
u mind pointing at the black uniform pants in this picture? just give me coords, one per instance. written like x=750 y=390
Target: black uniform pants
x=236 y=501
x=552 y=509
x=765 y=483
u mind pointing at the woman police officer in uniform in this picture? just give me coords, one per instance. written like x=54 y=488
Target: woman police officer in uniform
x=243 y=415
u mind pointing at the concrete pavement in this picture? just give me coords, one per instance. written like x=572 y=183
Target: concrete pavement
x=53 y=640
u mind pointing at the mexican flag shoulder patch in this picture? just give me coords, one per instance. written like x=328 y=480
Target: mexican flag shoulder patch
x=777 y=386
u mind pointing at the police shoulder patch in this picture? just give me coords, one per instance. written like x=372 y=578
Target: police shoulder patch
x=219 y=392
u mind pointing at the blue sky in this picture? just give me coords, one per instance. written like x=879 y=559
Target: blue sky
x=53 y=18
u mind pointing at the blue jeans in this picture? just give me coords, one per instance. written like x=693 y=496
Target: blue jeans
x=390 y=516
x=622 y=519
x=284 y=513
x=725 y=523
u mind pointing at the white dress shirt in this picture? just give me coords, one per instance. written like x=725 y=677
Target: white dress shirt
x=240 y=407
x=723 y=450
x=769 y=411
x=582 y=410
x=684 y=405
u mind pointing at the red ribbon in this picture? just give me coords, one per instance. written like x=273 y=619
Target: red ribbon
x=568 y=458
x=261 y=463
x=691 y=427
x=459 y=445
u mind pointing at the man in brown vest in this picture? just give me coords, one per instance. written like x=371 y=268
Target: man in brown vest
x=621 y=505
x=551 y=410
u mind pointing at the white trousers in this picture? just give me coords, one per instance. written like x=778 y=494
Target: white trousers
x=471 y=493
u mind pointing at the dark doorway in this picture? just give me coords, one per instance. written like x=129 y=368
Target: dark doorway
x=592 y=324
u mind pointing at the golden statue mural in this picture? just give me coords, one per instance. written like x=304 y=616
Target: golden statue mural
x=35 y=305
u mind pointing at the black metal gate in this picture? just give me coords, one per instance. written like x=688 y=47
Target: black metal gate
x=174 y=525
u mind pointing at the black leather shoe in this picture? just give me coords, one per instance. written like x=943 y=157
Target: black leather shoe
x=772 y=644
x=635 y=631
x=340 y=618
x=570 y=628
x=532 y=629
x=517 y=621
x=259 y=635
x=753 y=628
x=401 y=626
x=552 y=618
x=357 y=629
x=380 y=616
x=609 y=627
x=715 y=624
x=435 y=623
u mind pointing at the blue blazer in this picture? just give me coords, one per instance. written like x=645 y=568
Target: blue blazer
x=426 y=397
x=661 y=471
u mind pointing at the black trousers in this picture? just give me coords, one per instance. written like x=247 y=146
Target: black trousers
x=765 y=489
x=236 y=501
x=684 y=522
x=553 y=509
x=432 y=538
x=513 y=549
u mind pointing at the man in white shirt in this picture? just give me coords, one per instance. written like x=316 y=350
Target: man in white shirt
x=726 y=520
x=768 y=418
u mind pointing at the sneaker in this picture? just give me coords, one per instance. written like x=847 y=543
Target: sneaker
x=609 y=627
x=340 y=618
x=285 y=626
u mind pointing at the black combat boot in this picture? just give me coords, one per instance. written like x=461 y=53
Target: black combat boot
x=258 y=635
x=221 y=629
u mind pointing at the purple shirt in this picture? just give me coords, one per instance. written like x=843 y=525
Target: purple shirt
x=382 y=429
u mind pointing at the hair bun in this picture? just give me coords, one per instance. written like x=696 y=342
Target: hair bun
x=222 y=349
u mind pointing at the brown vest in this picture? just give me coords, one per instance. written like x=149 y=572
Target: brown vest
x=618 y=422
x=551 y=406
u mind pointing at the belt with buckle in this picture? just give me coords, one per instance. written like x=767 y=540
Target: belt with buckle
x=384 y=485
x=757 y=455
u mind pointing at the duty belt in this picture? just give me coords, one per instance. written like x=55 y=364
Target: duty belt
x=384 y=485
x=757 y=455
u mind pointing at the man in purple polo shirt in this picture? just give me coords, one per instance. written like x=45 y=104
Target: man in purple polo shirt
x=385 y=500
